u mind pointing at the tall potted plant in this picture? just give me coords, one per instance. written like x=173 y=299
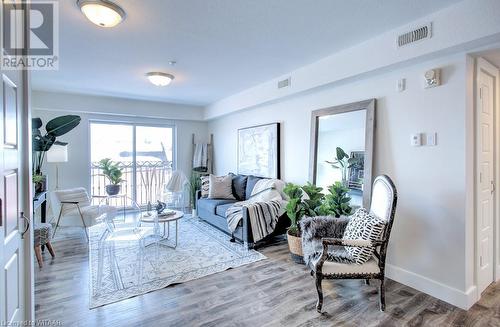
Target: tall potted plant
x=114 y=175
x=302 y=201
x=343 y=162
x=41 y=143
x=194 y=186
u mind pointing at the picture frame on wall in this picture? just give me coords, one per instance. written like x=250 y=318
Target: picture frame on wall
x=259 y=150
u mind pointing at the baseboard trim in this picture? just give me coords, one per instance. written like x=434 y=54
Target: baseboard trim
x=461 y=299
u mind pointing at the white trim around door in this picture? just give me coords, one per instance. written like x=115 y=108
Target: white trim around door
x=487 y=173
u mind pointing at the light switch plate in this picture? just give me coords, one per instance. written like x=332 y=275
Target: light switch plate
x=401 y=84
x=416 y=139
x=431 y=139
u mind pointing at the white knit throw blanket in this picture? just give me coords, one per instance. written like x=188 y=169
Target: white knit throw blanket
x=265 y=206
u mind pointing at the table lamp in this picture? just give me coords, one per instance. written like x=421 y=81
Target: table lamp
x=57 y=154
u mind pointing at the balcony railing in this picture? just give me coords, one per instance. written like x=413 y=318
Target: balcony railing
x=151 y=176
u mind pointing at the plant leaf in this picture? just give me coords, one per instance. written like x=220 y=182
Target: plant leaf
x=62 y=125
x=341 y=154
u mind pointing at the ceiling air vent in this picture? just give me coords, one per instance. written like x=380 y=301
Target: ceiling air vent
x=418 y=34
x=284 y=83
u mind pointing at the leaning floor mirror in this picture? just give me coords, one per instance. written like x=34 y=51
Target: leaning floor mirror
x=342 y=149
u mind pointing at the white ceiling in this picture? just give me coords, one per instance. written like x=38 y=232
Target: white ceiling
x=221 y=46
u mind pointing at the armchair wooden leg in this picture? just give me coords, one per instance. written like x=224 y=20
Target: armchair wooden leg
x=51 y=249
x=319 y=289
x=38 y=253
x=382 y=294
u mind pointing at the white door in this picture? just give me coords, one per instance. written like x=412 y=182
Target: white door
x=12 y=272
x=485 y=185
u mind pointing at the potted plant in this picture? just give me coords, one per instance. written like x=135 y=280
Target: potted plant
x=194 y=186
x=42 y=143
x=39 y=183
x=337 y=202
x=343 y=162
x=114 y=175
x=302 y=201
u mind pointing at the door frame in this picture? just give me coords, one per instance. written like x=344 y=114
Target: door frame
x=485 y=66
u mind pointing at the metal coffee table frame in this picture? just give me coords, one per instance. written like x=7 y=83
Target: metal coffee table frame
x=164 y=238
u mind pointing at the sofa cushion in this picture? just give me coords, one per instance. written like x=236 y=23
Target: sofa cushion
x=251 y=181
x=205 y=182
x=220 y=187
x=210 y=205
x=221 y=209
x=239 y=186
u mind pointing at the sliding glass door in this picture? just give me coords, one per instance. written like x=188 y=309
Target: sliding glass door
x=144 y=153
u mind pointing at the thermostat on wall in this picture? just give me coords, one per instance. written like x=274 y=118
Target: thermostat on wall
x=416 y=139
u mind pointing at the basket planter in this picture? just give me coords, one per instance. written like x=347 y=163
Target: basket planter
x=295 y=246
x=113 y=189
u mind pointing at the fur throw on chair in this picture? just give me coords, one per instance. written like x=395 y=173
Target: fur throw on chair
x=314 y=229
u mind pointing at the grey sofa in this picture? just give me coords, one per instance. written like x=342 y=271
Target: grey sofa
x=213 y=211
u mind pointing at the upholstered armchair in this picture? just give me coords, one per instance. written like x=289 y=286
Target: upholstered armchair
x=325 y=249
x=74 y=208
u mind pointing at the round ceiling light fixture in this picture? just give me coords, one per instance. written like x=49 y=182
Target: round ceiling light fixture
x=159 y=78
x=102 y=12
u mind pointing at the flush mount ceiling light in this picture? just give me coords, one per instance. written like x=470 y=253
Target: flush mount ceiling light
x=159 y=78
x=102 y=12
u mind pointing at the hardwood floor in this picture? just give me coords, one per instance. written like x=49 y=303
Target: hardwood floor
x=272 y=292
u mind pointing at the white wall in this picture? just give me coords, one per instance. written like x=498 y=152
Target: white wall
x=428 y=238
x=467 y=25
x=93 y=104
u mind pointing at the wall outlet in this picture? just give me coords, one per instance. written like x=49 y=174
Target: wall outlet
x=416 y=139
x=431 y=139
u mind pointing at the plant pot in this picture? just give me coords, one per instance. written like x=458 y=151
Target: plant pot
x=41 y=186
x=113 y=189
x=194 y=213
x=295 y=246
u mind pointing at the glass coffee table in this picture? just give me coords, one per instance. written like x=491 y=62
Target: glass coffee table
x=163 y=238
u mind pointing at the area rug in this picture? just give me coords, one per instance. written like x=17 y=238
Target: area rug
x=121 y=270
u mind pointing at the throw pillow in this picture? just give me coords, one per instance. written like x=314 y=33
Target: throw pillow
x=363 y=226
x=205 y=182
x=220 y=187
x=251 y=181
x=239 y=185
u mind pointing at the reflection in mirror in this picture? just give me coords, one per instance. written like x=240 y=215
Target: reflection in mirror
x=341 y=152
x=342 y=148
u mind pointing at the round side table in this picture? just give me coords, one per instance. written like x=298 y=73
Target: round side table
x=154 y=218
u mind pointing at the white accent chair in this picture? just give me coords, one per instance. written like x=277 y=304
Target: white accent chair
x=74 y=208
x=324 y=247
x=175 y=190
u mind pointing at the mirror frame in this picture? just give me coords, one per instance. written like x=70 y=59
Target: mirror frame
x=369 y=106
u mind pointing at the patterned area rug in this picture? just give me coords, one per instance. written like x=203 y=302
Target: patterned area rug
x=123 y=269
